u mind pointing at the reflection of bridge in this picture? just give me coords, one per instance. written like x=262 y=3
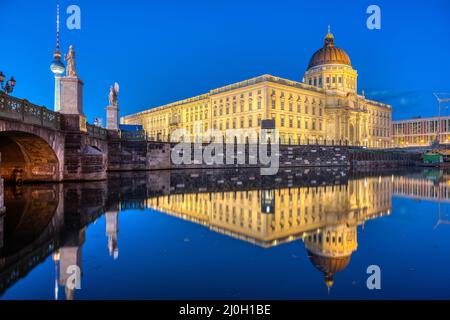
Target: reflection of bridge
x=320 y=207
x=42 y=219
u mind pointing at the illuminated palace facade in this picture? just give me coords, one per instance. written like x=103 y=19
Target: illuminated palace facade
x=420 y=131
x=325 y=107
x=325 y=218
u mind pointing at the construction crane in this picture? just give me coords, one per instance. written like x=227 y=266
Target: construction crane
x=440 y=101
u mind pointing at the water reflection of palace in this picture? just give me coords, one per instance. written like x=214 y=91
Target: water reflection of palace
x=431 y=185
x=322 y=208
x=324 y=217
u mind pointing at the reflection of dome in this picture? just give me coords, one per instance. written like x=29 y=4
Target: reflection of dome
x=329 y=266
x=329 y=54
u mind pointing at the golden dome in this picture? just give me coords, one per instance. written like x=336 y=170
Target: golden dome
x=329 y=54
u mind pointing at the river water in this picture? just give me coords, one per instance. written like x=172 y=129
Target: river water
x=229 y=234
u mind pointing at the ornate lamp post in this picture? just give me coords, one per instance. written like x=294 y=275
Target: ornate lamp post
x=7 y=87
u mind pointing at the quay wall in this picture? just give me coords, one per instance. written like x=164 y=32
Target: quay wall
x=142 y=155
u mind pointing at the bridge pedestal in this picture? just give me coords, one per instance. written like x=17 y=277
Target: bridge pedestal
x=73 y=122
x=71 y=96
x=83 y=160
x=112 y=117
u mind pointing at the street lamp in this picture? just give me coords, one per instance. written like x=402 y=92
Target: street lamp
x=7 y=87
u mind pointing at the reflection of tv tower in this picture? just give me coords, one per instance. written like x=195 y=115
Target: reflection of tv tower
x=112 y=229
x=56 y=258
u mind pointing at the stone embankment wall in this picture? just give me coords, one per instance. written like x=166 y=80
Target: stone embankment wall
x=141 y=155
x=126 y=155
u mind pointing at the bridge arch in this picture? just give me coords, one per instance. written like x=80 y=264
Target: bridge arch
x=28 y=156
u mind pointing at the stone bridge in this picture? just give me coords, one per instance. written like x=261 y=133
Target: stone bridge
x=37 y=144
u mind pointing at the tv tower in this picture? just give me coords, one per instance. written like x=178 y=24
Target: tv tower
x=57 y=66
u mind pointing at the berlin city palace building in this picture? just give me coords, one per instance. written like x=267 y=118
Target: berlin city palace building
x=324 y=108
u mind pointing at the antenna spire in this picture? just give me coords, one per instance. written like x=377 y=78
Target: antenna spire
x=57 y=26
x=329 y=29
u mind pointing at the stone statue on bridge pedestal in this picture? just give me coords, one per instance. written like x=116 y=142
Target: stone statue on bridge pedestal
x=113 y=94
x=72 y=96
x=112 y=111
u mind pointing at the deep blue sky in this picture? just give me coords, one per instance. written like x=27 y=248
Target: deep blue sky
x=161 y=51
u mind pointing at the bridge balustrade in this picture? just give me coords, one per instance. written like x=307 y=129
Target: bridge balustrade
x=24 y=111
x=97 y=132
